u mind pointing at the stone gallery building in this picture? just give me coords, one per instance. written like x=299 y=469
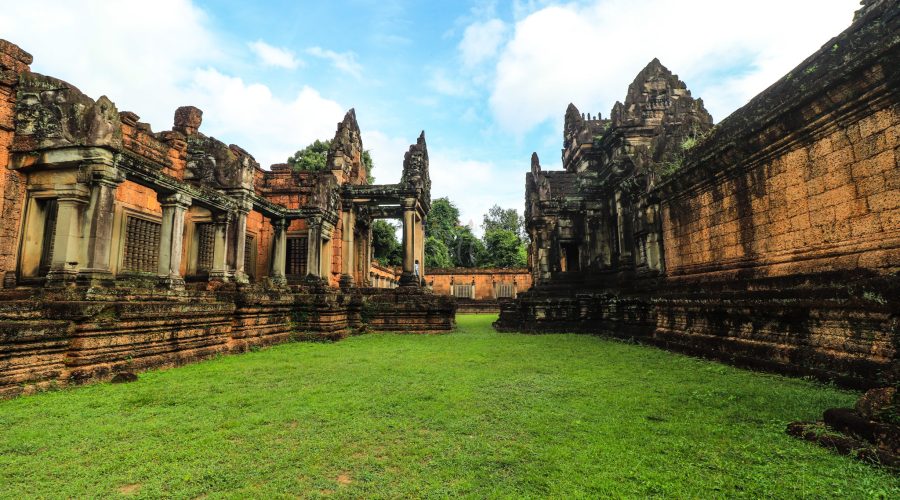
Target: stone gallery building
x=771 y=239
x=122 y=248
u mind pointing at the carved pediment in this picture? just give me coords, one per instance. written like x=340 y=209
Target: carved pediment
x=50 y=113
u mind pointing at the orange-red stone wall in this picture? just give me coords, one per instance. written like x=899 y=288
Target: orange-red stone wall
x=484 y=279
x=829 y=205
x=12 y=184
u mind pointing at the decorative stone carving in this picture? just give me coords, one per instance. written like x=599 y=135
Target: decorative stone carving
x=51 y=113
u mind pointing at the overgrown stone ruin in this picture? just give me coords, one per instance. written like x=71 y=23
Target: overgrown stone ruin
x=124 y=249
x=770 y=240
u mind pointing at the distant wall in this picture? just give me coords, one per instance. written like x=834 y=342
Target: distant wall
x=485 y=283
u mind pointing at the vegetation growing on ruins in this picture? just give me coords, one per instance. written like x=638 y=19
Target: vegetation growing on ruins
x=314 y=158
x=443 y=415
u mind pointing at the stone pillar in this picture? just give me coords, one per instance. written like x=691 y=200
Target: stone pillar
x=314 y=247
x=408 y=278
x=67 y=241
x=625 y=236
x=100 y=228
x=420 y=247
x=654 y=239
x=279 y=252
x=171 y=235
x=237 y=242
x=367 y=265
x=219 y=270
x=348 y=222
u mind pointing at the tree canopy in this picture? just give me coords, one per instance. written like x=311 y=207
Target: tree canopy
x=314 y=158
x=504 y=218
x=385 y=245
x=449 y=243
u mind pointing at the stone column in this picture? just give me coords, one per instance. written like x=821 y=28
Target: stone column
x=654 y=239
x=279 y=252
x=367 y=265
x=100 y=228
x=625 y=236
x=348 y=222
x=219 y=270
x=67 y=241
x=314 y=247
x=171 y=235
x=408 y=278
x=420 y=242
x=237 y=241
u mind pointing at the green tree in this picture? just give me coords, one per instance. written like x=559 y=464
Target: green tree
x=314 y=158
x=436 y=253
x=467 y=249
x=385 y=245
x=503 y=248
x=442 y=221
x=504 y=218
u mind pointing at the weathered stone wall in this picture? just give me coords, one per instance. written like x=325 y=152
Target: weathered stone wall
x=13 y=61
x=486 y=284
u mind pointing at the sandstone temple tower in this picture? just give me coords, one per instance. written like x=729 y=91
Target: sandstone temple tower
x=771 y=239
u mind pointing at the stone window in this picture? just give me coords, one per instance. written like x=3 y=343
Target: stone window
x=141 y=245
x=296 y=257
x=506 y=290
x=250 y=255
x=466 y=291
x=206 y=243
x=49 y=209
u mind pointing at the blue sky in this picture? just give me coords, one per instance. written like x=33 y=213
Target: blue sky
x=487 y=81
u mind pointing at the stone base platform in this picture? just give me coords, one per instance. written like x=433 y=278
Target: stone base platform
x=410 y=309
x=52 y=338
x=833 y=327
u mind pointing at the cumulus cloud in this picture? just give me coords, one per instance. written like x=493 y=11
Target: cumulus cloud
x=141 y=66
x=588 y=53
x=269 y=127
x=473 y=185
x=481 y=40
x=274 y=56
x=167 y=60
x=342 y=61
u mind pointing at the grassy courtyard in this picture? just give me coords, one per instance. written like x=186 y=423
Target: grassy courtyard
x=472 y=413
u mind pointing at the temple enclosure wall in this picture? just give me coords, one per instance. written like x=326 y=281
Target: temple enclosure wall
x=123 y=249
x=771 y=239
x=479 y=290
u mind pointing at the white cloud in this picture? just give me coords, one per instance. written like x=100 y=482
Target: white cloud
x=480 y=41
x=387 y=154
x=589 y=53
x=342 y=61
x=274 y=56
x=165 y=61
x=140 y=66
x=472 y=185
x=443 y=83
x=270 y=128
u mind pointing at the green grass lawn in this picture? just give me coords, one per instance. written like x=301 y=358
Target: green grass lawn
x=472 y=413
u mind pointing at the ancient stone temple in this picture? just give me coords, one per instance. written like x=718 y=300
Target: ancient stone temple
x=122 y=248
x=771 y=239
